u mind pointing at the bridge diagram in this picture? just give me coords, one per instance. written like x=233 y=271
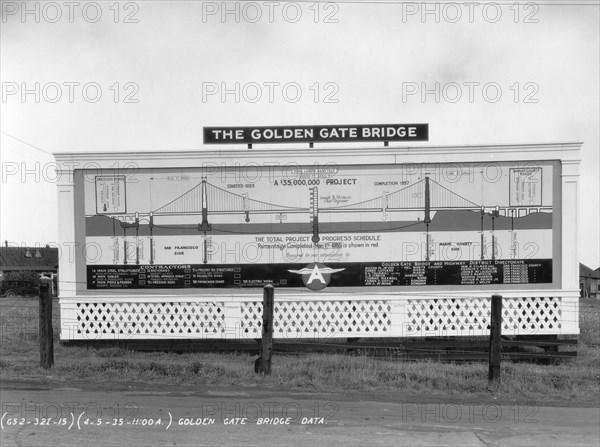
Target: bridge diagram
x=426 y=194
x=208 y=197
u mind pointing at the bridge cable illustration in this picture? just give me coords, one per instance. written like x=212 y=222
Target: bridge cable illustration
x=205 y=198
x=425 y=195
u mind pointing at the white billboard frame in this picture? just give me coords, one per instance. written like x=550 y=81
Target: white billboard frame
x=235 y=303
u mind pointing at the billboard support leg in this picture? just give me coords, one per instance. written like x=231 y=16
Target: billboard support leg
x=495 y=338
x=263 y=363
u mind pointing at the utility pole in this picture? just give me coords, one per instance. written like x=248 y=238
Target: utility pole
x=46 y=334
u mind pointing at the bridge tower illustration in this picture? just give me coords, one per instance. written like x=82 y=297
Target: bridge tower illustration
x=204 y=226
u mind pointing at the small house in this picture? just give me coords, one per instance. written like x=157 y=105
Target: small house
x=22 y=266
x=589 y=282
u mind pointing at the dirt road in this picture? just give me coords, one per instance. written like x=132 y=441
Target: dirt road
x=34 y=416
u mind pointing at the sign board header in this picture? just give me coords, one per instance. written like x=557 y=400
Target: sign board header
x=316 y=134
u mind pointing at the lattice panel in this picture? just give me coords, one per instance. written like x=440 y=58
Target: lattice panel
x=472 y=315
x=532 y=314
x=315 y=318
x=437 y=315
x=135 y=318
x=302 y=318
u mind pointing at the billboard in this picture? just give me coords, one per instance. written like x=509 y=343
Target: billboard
x=321 y=226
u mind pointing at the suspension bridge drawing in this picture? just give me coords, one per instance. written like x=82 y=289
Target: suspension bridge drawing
x=372 y=225
x=317 y=214
x=426 y=194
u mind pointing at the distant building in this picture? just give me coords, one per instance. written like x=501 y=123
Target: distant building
x=27 y=261
x=589 y=282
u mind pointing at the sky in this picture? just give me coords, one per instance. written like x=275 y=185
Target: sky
x=149 y=75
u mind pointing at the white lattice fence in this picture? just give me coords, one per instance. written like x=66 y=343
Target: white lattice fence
x=321 y=318
x=389 y=316
x=180 y=319
x=471 y=316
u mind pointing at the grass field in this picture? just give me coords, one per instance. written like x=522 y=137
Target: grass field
x=575 y=380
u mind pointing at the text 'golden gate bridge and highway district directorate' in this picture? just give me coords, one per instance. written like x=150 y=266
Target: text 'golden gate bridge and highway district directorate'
x=320 y=226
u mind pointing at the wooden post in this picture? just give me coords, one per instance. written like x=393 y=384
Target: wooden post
x=495 y=338
x=46 y=332
x=263 y=363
